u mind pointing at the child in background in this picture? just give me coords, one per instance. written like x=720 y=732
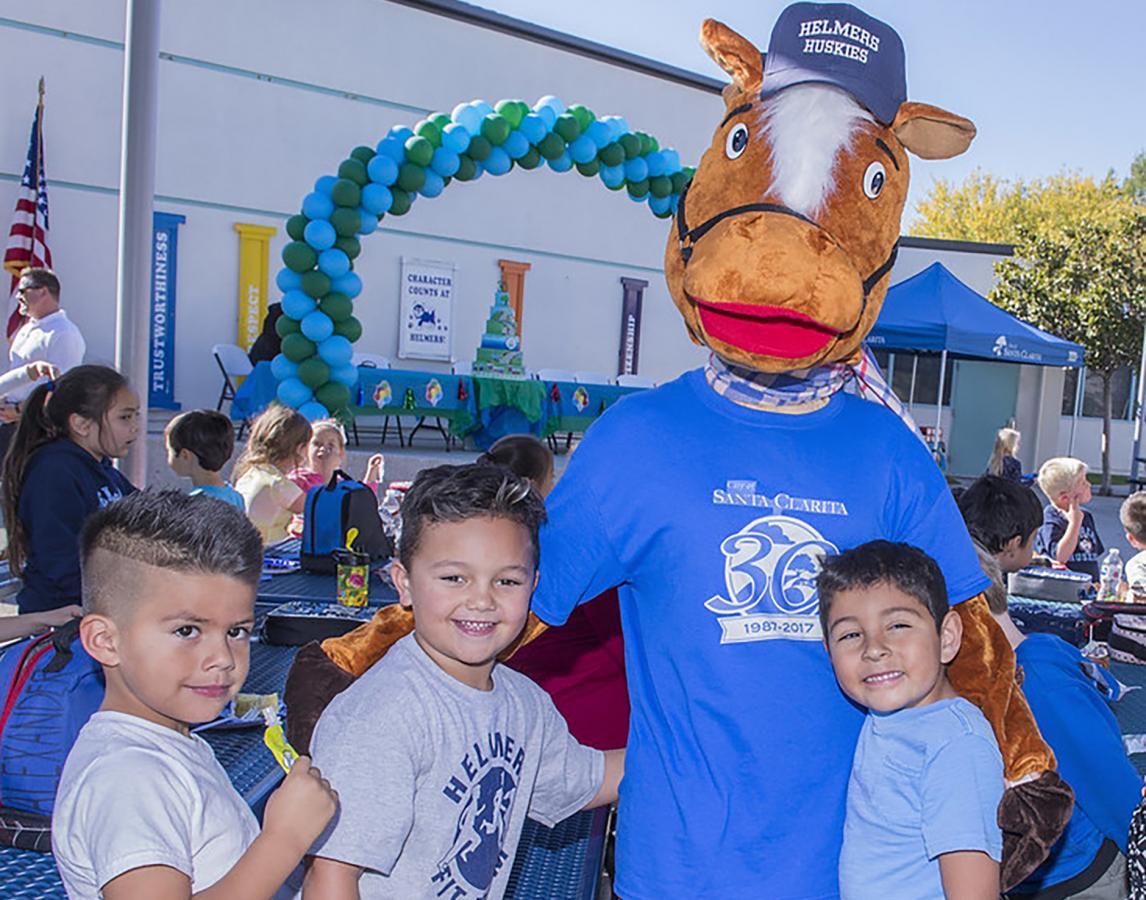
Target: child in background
x=927 y=776
x=278 y=440
x=526 y=456
x=1069 y=696
x=1068 y=534
x=325 y=453
x=58 y=472
x=143 y=808
x=12 y=628
x=438 y=752
x=1132 y=514
x=199 y=444
x=1004 y=461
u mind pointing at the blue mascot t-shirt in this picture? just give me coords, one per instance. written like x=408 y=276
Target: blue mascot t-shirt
x=712 y=518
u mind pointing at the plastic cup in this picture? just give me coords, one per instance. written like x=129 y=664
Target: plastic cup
x=353 y=576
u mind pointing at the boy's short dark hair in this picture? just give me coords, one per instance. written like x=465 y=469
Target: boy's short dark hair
x=207 y=434
x=902 y=566
x=459 y=493
x=1132 y=515
x=169 y=530
x=997 y=511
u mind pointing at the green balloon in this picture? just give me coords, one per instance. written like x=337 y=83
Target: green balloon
x=296 y=348
x=584 y=117
x=689 y=171
x=401 y=203
x=551 y=146
x=337 y=306
x=616 y=187
x=495 y=129
x=286 y=325
x=446 y=179
x=631 y=144
x=660 y=186
x=411 y=177
x=350 y=328
x=349 y=245
x=419 y=151
x=315 y=283
x=346 y=192
x=467 y=169
x=510 y=111
x=299 y=256
x=646 y=143
x=638 y=189
x=479 y=148
x=313 y=371
x=611 y=154
x=354 y=170
x=295 y=226
x=429 y=131
x=567 y=127
x=363 y=154
x=525 y=108
x=679 y=180
x=333 y=396
x=654 y=145
x=589 y=169
x=346 y=221
x=440 y=119
x=531 y=160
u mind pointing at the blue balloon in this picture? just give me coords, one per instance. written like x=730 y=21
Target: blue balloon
x=456 y=137
x=433 y=185
x=547 y=115
x=516 y=145
x=483 y=108
x=445 y=162
x=288 y=280
x=599 y=134
x=376 y=198
x=292 y=392
x=347 y=375
x=369 y=223
x=636 y=169
x=656 y=163
x=534 y=128
x=317 y=326
x=550 y=102
x=660 y=204
x=468 y=118
x=382 y=169
x=612 y=176
x=312 y=410
x=333 y=262
x=296 y=304
x=623 y=125
x=349 y=284
x=325 y=184
x=672 y=160
x=563 y=163
x=498 y=162
x=335 y=351
x=283 y=368
x=317 y=206
x=320 y=234
x=393 y=149
x=583 y=149
x=400 y=133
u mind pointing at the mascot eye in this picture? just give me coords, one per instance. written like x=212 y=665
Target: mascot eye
x=737 y=141
x=873 y=180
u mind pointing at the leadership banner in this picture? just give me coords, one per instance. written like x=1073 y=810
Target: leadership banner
x=164 y=253
x=426 y=310
x=254 y=264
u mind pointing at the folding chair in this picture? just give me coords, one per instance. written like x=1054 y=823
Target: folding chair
x=233 y=363
x=372 y=361
x=591 y=378
x=641 y=381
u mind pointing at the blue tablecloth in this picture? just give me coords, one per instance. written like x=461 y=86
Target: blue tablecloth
x=570 y=406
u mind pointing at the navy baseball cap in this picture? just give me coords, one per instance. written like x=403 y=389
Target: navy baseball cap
x=835 y=43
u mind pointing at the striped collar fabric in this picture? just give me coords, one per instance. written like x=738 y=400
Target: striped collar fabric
x=760 y=390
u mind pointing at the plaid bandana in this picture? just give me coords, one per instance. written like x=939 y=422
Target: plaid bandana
x=760 y=389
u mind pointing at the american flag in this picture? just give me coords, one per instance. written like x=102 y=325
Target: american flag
x=28 y=236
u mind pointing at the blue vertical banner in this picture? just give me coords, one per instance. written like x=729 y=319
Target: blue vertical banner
x=164 y=253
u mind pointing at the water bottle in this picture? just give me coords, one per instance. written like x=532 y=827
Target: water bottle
x=1110 y=578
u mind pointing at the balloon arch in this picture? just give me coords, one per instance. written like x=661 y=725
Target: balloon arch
x=318 y=328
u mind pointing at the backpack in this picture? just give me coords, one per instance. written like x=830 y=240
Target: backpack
x=49 y=688
x=1127 y=640
x=330 y=512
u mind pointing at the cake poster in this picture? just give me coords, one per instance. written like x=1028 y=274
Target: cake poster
x=426 y=310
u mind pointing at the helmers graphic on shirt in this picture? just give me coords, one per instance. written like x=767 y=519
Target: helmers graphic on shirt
x=770 y=568
x=107 y=495
x=483 y=787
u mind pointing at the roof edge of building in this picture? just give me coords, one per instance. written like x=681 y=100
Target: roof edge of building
x=926 y=243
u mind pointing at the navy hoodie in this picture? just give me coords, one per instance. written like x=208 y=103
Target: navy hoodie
x=63 y=485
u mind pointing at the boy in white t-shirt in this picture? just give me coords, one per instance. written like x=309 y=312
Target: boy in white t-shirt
x=1132 y=514
x=143 y=808
x=438 y=753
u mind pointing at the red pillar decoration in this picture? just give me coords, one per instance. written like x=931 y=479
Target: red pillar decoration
x=513 y=276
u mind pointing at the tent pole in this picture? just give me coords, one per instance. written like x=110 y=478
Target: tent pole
x=1078 y=388
x=939 y=399
x=911 y=394
x=1138 y=398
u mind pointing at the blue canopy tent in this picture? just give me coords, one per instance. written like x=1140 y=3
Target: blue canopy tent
x=933 y=311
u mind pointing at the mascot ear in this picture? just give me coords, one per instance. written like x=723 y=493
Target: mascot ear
x=737 y=55
x=930 y=132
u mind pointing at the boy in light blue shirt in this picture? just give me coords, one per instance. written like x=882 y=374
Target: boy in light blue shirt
x=927 y=775
x=199 y=444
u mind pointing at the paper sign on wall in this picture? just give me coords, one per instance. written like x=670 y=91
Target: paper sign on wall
x=426 y=310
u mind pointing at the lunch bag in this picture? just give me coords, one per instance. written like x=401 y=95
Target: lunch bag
x=49 y=688
x=302 y=621
x=1128 y=639
x=330 y=512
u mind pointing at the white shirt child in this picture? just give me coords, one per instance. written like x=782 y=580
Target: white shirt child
x=1135 y=575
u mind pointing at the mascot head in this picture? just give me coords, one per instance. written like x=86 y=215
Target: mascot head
x=785 y=238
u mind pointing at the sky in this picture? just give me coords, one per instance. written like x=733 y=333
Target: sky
x=1050 y=85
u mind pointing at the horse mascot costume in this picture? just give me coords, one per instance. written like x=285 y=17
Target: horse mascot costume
x=710 y=499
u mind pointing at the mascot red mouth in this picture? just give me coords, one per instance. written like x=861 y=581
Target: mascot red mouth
x=764 y=330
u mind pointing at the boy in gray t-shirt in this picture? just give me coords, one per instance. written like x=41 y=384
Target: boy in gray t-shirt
x=437 y=752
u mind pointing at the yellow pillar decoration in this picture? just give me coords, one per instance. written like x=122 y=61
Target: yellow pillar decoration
x=254 y=266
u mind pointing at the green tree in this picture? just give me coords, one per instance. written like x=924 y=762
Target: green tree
x=1135 y=184
x=1087 y=283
